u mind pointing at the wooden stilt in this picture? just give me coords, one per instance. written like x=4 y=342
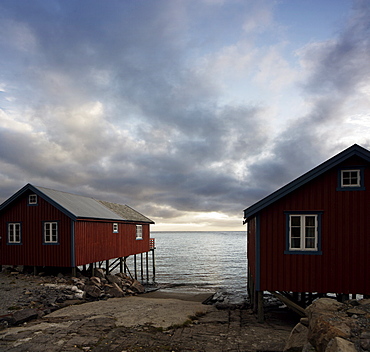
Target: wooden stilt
x=74 y=271
x=153 y=262
x=135 y=266
x=261 y=314
x=107 y=266
x=147 y=266
x=141 y=267
x=35 y=270
x=121 y=265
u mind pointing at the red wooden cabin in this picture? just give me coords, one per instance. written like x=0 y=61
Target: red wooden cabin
x=41 y=227
x=312 y=235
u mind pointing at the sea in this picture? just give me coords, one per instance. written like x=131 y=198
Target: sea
x=202 y=262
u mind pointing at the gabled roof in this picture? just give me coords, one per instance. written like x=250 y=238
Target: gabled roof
x=80 y=207
x=310 y=175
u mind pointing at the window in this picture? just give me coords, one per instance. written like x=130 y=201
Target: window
x=50 y=232
x=32 y=199
x=115 y=227
x=303 y=232
x=351 y=179
x=139 y=232
x=14 y=233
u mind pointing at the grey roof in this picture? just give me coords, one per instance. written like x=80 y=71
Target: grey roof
x=76 y=206
x=310 y=175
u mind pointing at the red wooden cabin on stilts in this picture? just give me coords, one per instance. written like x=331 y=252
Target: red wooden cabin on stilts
x=41 y=227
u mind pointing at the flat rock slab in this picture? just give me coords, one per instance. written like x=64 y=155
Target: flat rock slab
x=134 y=311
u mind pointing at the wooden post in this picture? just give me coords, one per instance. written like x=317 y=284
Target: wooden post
x=74 y=271
x=107 y=266
x=35 y=270
x=261 y=314
x=147 y=267
x=121 y=265
x=135 y=267
x=153 y=265
x=141 y=267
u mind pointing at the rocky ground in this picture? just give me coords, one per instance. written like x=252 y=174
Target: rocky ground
x=146 y=322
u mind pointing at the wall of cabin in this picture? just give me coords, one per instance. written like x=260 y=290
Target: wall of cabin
x=32 y=251
x=344 y=239
x=95 y=241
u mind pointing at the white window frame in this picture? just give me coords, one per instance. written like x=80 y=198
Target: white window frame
x=32 y=199
x=115 y=227
x=14 y=233
x=51 y=232
x=357 y=177
x=303 y=230
x=139 y=232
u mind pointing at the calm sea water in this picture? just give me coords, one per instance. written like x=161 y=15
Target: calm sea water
x=202 y=262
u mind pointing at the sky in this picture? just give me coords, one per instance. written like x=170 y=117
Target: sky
x=189 y=111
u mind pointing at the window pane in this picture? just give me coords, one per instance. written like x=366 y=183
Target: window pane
x=310 y=242
x=310 y=220
x=310 y=232
x=295 y=220
x=296 y=232
x=296 y=243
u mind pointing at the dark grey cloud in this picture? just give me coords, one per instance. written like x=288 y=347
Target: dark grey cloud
x=116 y=101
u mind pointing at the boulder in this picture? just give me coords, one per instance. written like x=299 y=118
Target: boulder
x=137 y=287
x=297 y=339
x=99 y=272
x=92 y=291
x=24 y=315
x=114 y=290
x=94 y=280
x=114 y=279
x=337 y=344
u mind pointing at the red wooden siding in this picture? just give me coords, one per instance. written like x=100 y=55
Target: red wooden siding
x=344 y=239
x=95 y=241
x=251 y=247
x=32 y=251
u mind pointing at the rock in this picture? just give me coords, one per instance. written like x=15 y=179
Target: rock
x=337 y=344
x=304 y=321
x=24 y=315
x=114 y=279
x=98 y=272
x=356 y=311
x=95 y=281
x=137 y=287
x=297 y=339
x=93 y=291
x=114 y=290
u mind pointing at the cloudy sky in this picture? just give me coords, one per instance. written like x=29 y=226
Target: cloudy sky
x=187 y=110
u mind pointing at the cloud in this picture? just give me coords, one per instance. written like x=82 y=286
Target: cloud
x=183 y=109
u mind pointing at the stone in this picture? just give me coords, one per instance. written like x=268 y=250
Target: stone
x=94 y=280
x=24 y=315
x=297 y=339
x=92 y=291
x=304 y=321
x=114 y=279
x=356 y=311
x=337 y=344
x=114 y=290
x=99 y=272
x=325 y=305
x=137 y=287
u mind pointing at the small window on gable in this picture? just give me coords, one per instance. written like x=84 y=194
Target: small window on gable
x=139 y=232
x=32 y=199
x=115 y=227
x=351 y=179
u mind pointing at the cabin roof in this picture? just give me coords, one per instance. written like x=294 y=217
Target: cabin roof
x=81 y=207
x=310 y=175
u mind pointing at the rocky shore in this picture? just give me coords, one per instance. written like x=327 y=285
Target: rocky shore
x=155 y=321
